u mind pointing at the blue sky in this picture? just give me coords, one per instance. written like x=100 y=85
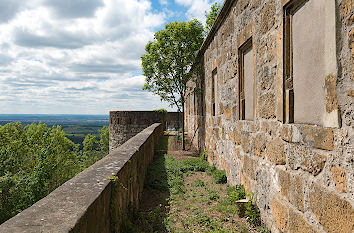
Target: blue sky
x=81 y=56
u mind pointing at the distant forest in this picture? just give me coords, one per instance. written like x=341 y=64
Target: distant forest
x=37 y=158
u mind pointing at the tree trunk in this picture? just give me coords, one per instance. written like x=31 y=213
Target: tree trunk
x=183 y=143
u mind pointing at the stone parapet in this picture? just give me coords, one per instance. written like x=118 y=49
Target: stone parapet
x=97 y=199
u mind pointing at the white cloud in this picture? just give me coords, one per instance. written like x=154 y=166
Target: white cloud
x=197 y=8
x=62 y=57
x=163 y=2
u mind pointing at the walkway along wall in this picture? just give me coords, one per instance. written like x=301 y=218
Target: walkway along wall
x=272 y=103
x=97 y=199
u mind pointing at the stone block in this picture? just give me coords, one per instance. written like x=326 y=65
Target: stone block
x=350 y=93
x=245 y=142
x=246 y=183
x=231 y=135
x=347 y=7
x=290 y=133
x=237 y=137
x=339 y=179
x=266 y=106
x=216 y=133
x=248 y=167
x=331 y=94
x=292 y=188
x=306 y=159
x=266 y=18
x=227 y=113
x=298 y=224
x=237 y=152
x=334 y=213
x=276 y=152
x=280 y=215
x=319 y=137
x=259 y=144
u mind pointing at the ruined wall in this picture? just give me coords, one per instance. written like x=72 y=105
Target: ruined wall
x=302 y=174
x=99 y=198
x=126 y=124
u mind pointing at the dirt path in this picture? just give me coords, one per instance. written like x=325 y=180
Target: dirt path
x=177 y=198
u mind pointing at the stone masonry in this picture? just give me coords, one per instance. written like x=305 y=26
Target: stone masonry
x=124 y=125
x=302 y=173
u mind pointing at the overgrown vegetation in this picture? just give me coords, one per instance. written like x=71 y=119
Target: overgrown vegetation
x=36 y=159
x=191 y=196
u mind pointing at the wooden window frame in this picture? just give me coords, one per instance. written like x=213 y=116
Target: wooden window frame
x=213 y=92
x=241 y=81
x=289 y=8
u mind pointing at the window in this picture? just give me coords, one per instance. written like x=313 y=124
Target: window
x=213 y=83
x=246 y=82
x=195 y=101
x=309 y=57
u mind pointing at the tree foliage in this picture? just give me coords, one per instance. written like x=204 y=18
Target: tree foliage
x=169 y=58
x=36 y=159
x=211 y=16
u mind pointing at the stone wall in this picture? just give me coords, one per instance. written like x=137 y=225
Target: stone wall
x=302 y=174
x=126 y=124
x=97 y=199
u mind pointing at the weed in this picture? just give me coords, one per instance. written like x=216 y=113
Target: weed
x=213 y=195
x=225 y=207
x=236 y=193
x=263 y=229
x=198 y=183
x=219 y=177
x=243 y=229
x=252 y=212
x=203 y=155
x=210 y=170
x=194 y=164
x=165 y=174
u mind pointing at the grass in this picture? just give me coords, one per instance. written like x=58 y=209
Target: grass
x=190 y=196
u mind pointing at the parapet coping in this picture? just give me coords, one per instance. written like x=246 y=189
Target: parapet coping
x=62 y=209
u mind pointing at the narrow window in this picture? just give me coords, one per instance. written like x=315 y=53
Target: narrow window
x=213 y=82
x=246 y=82
x=309 y=57
x=195 y=102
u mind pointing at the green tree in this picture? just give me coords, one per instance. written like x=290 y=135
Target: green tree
x=168 y=61
x=104 y=140
x=34 y=161
x=211 y=16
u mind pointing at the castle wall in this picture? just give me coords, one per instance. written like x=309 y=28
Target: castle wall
x=302 y=169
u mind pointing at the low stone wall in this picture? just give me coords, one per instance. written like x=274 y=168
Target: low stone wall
x=97 y=199
x=126 y=124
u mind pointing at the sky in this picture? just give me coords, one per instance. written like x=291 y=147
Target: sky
x=81 y=56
